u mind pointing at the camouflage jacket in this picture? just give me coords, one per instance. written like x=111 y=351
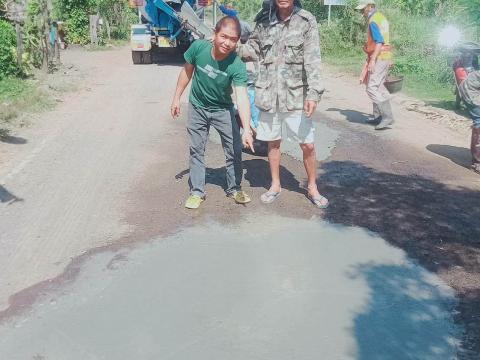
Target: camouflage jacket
x=289 y=60
x=470 y=89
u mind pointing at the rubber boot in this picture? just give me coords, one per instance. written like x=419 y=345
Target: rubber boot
x=377 y=116
x=475 y=148
x=387 y=115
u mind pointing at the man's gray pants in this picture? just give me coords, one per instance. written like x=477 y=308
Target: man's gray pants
x=199 y=122
x=376 y=89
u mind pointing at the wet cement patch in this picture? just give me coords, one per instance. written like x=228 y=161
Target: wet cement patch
x=268 y=288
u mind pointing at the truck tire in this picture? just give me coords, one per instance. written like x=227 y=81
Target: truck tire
x=147 y=57
x=137 y=57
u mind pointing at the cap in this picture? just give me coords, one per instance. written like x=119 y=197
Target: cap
x=363 y=3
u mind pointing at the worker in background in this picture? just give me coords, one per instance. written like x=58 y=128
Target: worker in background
x=377 y=66
x=215 y=69
x=286 y=44
x=470 y=93
x=54 y=42
x=229 y=10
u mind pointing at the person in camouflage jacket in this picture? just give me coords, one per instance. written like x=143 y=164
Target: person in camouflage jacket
x=286 y=44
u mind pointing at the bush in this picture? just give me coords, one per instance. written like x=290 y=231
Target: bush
x=249 y=8
x=8 y=40
x=78 y=27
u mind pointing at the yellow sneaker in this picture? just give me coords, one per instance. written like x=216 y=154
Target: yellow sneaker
x=240 y=197
x=193 y=202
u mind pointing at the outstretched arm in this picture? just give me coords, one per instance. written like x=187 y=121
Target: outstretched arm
x=183 y=80
x=312 y=62
x=243 y=105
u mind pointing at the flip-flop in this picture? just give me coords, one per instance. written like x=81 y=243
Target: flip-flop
x=318 y=201
x=269 y=197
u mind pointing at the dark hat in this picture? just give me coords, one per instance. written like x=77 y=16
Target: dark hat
x=269 y=7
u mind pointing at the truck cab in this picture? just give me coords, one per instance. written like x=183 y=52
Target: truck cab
x=164 y=25
x=141 y=43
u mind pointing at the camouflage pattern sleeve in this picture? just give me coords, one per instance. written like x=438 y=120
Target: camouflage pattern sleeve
x=312 y=60
x=250 y=51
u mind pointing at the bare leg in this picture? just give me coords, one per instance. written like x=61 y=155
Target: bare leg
x=309 y=160
x=274 y=156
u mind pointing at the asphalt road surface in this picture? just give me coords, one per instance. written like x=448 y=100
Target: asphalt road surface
x=99 y=259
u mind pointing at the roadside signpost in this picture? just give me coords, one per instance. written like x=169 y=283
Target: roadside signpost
x=333 y=2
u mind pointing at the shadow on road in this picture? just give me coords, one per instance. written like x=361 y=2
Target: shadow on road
x=436 y=225
x=168 y=57
x=14 y=140
x=353 y=116
x=458 y=155
x=7 y=197
x=401 y=298
x=258 y=175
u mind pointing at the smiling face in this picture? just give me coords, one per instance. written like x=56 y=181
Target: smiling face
x=226 y=38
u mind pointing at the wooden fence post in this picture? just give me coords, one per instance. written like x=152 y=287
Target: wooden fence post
x=18 y=30
x=94 y=28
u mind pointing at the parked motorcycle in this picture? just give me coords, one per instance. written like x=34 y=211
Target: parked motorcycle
x=464 y=64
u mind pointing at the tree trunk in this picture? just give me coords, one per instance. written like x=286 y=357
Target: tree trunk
x=18 y=30
x=46 y=35
x=107 y=25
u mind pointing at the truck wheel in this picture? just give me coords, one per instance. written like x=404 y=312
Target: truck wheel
x=147 y=57
x=137 y=57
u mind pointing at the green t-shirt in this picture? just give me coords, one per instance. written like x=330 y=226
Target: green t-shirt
x=212 y=81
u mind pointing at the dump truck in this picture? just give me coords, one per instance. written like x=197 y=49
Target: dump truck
x=165 y=24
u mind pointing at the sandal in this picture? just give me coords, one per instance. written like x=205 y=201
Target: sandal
x=319 y=201
x=269 y=197
x=476 y=168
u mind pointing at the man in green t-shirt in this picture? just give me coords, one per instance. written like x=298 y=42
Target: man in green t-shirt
x=215 y=68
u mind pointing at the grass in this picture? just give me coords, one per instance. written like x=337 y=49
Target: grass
x=112 y=44
x=18 y=96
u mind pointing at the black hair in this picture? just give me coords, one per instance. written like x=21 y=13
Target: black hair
x=227 y=20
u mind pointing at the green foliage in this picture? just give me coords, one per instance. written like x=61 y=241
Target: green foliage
x=473 y=9
x=116 y=14
x=33 y=33
x=75 y=14
x=248 y=8
x=119 y=17
x=417 y=7
x=8 y=65
x=317 y=8
x=77 y=25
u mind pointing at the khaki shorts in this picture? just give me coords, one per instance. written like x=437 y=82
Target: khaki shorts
x=293 y=125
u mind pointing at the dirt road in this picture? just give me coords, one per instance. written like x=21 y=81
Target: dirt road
x=95 y=180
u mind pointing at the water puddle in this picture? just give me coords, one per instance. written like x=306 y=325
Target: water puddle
x=268 y=288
